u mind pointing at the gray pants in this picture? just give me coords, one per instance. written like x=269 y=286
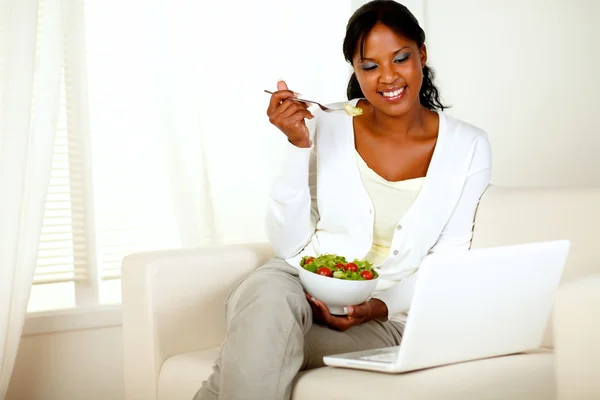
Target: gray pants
x=270 y=337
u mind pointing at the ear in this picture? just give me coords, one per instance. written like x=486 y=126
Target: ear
x=423 y=54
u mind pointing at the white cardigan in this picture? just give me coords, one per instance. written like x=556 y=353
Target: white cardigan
x=319 y=205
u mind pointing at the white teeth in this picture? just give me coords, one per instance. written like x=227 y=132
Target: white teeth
x=393 y=94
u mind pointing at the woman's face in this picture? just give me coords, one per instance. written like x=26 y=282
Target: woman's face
x=390 y=73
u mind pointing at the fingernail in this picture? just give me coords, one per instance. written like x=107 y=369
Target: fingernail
x=298 y=94
x=346 y=310
x=313 y=300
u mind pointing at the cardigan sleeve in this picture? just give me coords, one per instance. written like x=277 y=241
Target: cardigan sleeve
x=292 y=213
x=458 y=231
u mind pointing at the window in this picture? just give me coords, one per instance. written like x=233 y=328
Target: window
x=66 y=273
x=152 y=150
x=99 y=207
x=62 y=243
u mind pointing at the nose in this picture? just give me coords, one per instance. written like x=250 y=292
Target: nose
x=388 y=75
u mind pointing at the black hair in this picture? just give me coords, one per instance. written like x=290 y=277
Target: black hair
x=398 y=18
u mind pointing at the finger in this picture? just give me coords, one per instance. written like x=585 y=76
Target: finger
x=322 y=309
x=277 y=98
x=305 y=104
x=275 y=115
x=316 y=312
x=332 y=321
x=281 y=85
x=313 y=306
x=359 y=311
x=297 y=113
x=317 y=317
x=291 y=107
x=341 y=324
x=294 y=128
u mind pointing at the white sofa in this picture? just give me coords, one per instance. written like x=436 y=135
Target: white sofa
x=173 y=315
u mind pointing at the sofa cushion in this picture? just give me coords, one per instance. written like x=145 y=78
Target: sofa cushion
x=181 y=376
x=517 y=377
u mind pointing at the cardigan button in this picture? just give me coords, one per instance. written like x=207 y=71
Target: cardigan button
x=399 y=227
x=395 y=252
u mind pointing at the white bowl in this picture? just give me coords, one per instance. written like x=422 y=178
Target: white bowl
x=336 y=293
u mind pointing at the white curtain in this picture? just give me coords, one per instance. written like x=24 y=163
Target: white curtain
x=29 y=90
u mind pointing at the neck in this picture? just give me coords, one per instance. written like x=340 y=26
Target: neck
x=410 y=124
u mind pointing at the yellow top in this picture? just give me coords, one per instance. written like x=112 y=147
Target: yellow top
x=391 y=200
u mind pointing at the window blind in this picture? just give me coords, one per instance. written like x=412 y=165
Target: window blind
x=62 y=254
x=62 y=251
x=105 y=200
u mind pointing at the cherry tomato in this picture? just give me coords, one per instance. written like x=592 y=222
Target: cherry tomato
x=324 y=271
x=309 y=260
x=340 y=266
x=351 y=267
x=368 y=275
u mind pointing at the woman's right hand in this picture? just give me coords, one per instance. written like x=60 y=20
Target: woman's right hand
x=288 y=115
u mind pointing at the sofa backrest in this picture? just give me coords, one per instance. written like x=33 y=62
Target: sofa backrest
x=508 y=216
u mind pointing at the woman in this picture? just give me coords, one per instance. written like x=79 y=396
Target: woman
x=394 y=184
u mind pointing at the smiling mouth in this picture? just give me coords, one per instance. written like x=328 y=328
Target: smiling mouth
x=393 y=94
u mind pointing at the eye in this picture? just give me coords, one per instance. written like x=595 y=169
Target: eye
x=402 y=58
x=368 y=66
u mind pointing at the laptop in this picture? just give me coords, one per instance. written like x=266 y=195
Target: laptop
x=472 y=305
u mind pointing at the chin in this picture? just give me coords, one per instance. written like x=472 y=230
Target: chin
x=394 y=110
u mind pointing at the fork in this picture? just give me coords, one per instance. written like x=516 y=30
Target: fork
x=321 y=106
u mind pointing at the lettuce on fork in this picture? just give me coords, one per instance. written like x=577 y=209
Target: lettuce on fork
x=353 y=111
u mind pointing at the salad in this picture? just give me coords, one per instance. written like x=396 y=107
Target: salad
x=334 y=266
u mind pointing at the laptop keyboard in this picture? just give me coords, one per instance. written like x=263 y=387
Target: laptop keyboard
x=389 y=357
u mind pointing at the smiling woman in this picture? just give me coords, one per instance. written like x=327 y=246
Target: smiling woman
x=384 y=197
x=406 y=48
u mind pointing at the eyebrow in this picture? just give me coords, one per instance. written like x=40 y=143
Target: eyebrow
x=394 y=53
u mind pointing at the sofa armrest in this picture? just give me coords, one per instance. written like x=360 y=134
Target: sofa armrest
x=174 y=303
x=577 y=335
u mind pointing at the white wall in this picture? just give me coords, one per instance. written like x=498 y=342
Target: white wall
x=528 y=73
x=524 y=70
x=78 y=365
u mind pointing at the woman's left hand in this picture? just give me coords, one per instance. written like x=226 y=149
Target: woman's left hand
x=356 y=315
